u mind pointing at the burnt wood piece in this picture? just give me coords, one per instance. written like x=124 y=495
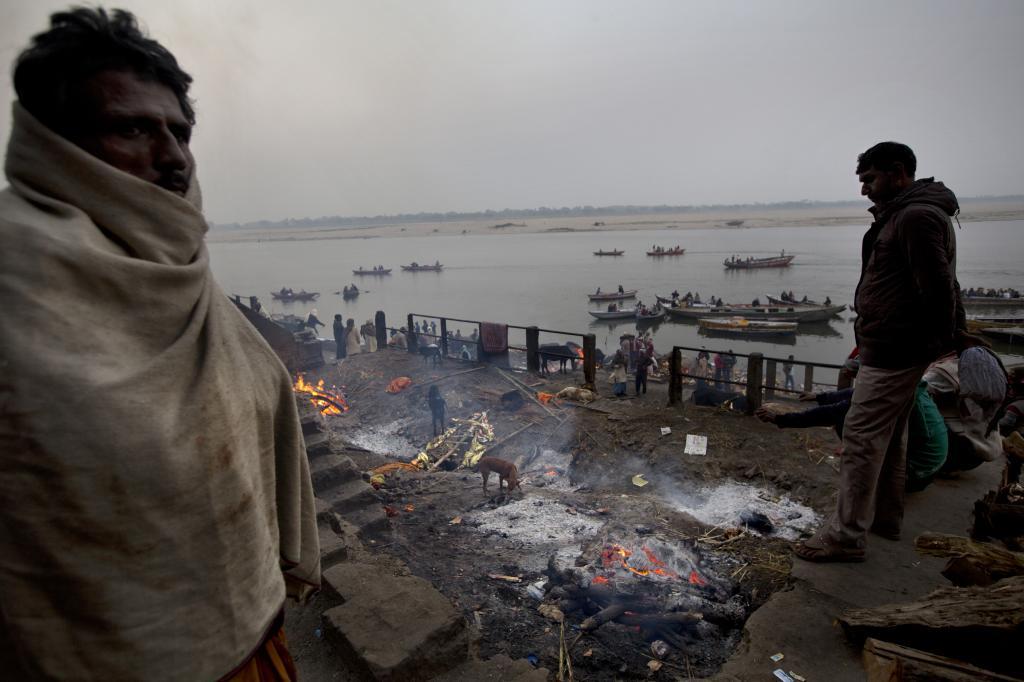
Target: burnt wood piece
x=659 y=619
x=603 y=616
x=972 y=563
x=885 y=661
x=980 y=625
x=996 y=520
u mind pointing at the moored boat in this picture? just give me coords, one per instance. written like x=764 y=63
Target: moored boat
x=788 y=313
x=741 y=326
x=613 y=314
x=755 y=263
x=288 y=295
x=612 y=295
x=775 y=300
x=614 y=252
x=651 y=315
x=988 y=301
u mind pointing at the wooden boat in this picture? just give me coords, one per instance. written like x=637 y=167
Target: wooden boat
x=775 y=313
x=289 y=296
x=613 y=314
x=741 y=326
x=349 y=293
x=378 y=273
x=416 y=267
x=754 y=263
x=667 y=252
x=1006 y=334
x=775 y=300
x=614 y=252
x=988 y=301
x=613 y=295
x=655 y=314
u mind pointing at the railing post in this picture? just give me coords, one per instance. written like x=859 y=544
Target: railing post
x=808 y=378
x=380 y=324
x=532 y=349
x=589 y=361
x=410 y=336
x=769 y=379
x=444 y=338
x=754 y=381
x=675 y=377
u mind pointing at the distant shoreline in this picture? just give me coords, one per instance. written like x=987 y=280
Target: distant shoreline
x=753 y=217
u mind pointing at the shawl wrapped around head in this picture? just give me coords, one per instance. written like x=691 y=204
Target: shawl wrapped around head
x=156 y=498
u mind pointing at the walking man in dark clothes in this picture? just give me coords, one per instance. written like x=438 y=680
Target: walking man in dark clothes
x=908 y=314
x=643 y=362
x=339 y=337
x=437 y=405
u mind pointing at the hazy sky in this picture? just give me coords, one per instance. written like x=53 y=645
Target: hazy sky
x=310 y=108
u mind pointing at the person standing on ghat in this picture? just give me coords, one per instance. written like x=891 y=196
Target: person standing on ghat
x=909 y=313
x=158 y=507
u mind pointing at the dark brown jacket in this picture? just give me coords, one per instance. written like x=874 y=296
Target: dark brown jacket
x=908 y=299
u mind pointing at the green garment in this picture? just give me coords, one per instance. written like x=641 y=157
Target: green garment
x=928 y=441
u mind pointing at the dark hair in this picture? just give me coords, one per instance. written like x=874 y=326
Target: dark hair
x=81 y=43
x=885 y=155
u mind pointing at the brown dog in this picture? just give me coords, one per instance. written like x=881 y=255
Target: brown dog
x=506 y=472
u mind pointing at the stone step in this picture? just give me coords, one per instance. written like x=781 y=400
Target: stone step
x=332 y=470
x=318 y=443
x=350 y=496
x=500 y=668
x=393 y=627
x=334 y=548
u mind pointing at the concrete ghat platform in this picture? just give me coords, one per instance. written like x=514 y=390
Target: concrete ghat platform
x=800 y=623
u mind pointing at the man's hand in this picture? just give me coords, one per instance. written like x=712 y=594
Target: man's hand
x=808 y=397
x=765 y=415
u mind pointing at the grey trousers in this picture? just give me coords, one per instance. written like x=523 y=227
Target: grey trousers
x=873 y=467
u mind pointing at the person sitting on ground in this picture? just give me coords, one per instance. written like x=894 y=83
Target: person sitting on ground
x=927 y=443
x=398 y=339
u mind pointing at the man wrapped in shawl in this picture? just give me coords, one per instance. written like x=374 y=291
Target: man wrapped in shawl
x=157 y=505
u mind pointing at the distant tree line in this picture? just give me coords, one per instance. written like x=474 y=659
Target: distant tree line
x=542 y=212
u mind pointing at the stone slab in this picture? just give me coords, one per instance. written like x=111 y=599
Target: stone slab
x=393 y=627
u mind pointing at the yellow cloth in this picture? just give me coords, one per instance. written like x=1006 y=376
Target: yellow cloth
x=152 y=469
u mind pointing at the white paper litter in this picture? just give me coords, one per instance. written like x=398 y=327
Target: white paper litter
x=696 y=445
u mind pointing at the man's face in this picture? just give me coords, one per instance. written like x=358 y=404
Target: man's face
x=878 y=186
x=137 y=126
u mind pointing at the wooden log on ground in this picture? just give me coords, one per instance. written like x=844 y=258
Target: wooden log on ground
x=971 y=563
x=653 y=620
x=979 y=625
x=888 y=662
x=603 y=616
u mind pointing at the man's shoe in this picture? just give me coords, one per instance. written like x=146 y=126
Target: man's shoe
x=887 y=532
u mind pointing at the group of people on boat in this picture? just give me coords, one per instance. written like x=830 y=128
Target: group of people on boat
x=991 y=293
x=414 y=264
x=287 y=292
x=788 y=297
x=375 y=268
x=598 y=292
x=661 y=249
x=693 y=299
x=350 y=290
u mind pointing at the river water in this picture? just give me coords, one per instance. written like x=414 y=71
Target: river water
x=543 y=279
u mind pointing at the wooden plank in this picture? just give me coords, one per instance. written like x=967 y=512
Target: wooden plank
x=888 y=662
x=971 y=563
x=808 y=378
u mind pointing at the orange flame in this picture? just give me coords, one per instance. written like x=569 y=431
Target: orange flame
x=616 y=555
x=579 y=353
x=327 y=400
x=599 y=580
x=552 y=472
x=696 y=579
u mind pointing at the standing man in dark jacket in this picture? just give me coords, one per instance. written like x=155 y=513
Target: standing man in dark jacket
x=908 y=314
x=339 y=337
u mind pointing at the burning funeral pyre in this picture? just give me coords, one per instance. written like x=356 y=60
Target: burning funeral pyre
x=329 y=400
